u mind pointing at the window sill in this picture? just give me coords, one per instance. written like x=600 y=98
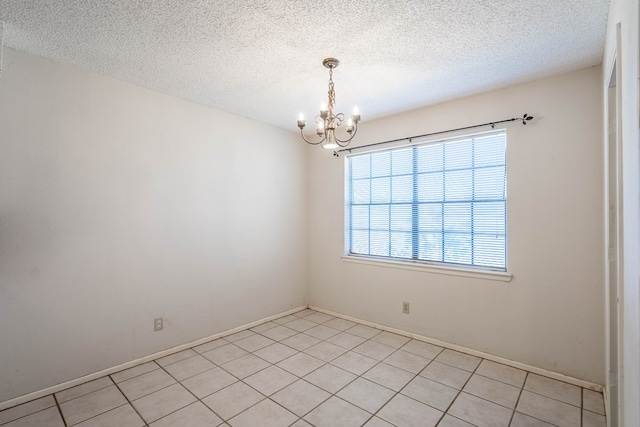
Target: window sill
x=433 y=269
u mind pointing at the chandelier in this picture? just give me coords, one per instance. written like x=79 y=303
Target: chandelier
x=327 y=122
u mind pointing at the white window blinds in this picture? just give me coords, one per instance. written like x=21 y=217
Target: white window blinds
x=442 y=202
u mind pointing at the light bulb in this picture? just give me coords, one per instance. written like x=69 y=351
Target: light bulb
x=301 y=117
x=323 y=107
x=356 y=112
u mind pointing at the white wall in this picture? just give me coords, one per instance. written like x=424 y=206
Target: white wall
x=550 y=314
x=118 y=205
x=626 y=13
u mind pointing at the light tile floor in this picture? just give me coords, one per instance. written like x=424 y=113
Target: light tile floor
x=310 y=368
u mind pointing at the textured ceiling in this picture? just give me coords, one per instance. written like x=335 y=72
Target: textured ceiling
x=262 y=59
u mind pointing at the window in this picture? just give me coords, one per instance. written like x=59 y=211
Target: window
x=437 y=202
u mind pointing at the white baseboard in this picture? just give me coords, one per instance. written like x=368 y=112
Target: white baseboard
x=497 y=359
x=68 y=384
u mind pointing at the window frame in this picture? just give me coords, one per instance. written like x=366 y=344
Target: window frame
x=455 y=269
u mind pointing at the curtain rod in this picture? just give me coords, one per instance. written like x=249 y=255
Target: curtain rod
x=525 y=118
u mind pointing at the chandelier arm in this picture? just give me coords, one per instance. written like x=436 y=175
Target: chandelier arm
x=309 y=142
x=344 y=141
x=348 y=140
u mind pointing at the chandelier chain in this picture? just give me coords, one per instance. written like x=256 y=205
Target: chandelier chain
x=332 y=93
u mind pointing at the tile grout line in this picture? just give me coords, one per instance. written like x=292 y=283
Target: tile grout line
x=515 y=407
x=552 y=398
x=537 y=394
x=129 y=401
x=55 y=399
x=402 y=388
x=461 y=388
x=135 y=376
x=593 y=412
x=497 y=380
x=490 y=401
x=414 y=377
x=581 y=406
x=248 y=385
x=92 y=392
x=190 y=392
x=457 y=418
x=32 y=413
x=299 y=417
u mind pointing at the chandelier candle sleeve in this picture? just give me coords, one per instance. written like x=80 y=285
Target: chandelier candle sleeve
x=327 y=121
x=355 y=117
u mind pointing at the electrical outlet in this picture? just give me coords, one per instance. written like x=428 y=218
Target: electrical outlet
x=158 y=324
x=405 y=307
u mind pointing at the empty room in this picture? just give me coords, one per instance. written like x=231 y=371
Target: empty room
x=289 y=213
